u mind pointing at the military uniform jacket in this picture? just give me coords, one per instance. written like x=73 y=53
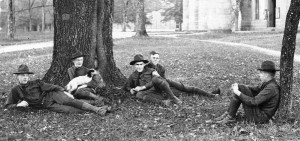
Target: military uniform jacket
x=159 y=68
x=33 y=93
x=139 y=79
x=267 y=98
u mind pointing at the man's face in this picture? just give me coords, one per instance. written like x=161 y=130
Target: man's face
x=23 y=78
x=263 y=76
x=139 y=66
x=154 y=59
x=78 y=62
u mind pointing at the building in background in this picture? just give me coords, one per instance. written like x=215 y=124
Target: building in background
x=217 y=14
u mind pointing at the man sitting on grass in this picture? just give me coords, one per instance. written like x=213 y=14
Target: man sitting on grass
x=154 y=63
x=87 y=92
x=43 y=95
x=147 y=85
x=260 y=103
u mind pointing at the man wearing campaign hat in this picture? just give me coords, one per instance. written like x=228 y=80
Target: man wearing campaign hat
x=259 y=103
x=154 y=63
x=88 y=92
x=39 y=94
x=146 y=84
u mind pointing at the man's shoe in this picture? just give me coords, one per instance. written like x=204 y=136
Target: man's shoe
x=227 y=120
x=217 y=91
x=222 y=116
x=166 y=103
x=177 y=101
x=101 y=110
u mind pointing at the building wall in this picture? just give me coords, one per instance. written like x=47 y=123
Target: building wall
x=199 y=14
x=249 y=20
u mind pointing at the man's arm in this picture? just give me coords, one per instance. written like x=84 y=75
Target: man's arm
x=255 y=89
x=71 y=72
x=266 y=94
x=49 y=87
x=162 y=72
x=12 y=99
x=129 y=84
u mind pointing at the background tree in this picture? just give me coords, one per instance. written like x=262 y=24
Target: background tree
x=11 y=20
x=84 y=26
x=236 y=8
x=43 y=4
x=140 y=23
x=287 y=58
x=30 y=6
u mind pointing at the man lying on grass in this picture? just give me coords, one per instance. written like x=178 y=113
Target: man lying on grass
x=147 y=85
x=86 y=91
x=260 y=103
x=43 y=95
x=154 y=63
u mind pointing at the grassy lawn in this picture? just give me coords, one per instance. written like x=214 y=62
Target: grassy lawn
x=270 y=40
x=26 y=37
x=194 y=63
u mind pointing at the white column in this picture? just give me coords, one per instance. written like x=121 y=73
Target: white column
x=185 y=14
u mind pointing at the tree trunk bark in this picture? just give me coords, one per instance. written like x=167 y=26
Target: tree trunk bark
x=84 y=26
x=124 y=24
x=178 y=14
x=112 y=76
x=287 y=59
x=140 y=23
x=11 y=21
x=30 y=19
x=124 y=15
x=72 y=33
x=43 y=18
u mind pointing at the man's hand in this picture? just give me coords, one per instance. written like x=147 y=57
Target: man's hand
x=82 y=86
x=69 y=95
x=235 y=88
x=155 y=73
x=22 y=104
x=132 y=91
x=139 y=88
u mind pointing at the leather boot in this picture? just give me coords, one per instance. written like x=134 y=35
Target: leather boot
x=221 y=117
x=165 y=87
x=165 y=103
x=99 y=110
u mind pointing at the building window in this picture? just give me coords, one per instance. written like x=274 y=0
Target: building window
x=256 y=9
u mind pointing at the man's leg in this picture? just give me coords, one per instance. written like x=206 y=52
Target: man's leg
x=252 y=113
x=189 y=89
x=63 y=108
x=63 y=99
x=161 y=84
x=86 y=93
x=152 y=95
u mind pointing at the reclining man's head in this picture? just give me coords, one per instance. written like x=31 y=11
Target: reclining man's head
x=154 y=57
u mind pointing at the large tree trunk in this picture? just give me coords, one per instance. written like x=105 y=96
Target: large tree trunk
x=287 y=58
x=112 y=76
x=140 y=22
x=84 y=26
x=72 y=33
x=11 y=20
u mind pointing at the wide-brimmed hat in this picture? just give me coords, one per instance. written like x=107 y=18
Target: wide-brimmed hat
x=77 y=54
x=268 y=66
x=138 y=58
x=23 y=69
